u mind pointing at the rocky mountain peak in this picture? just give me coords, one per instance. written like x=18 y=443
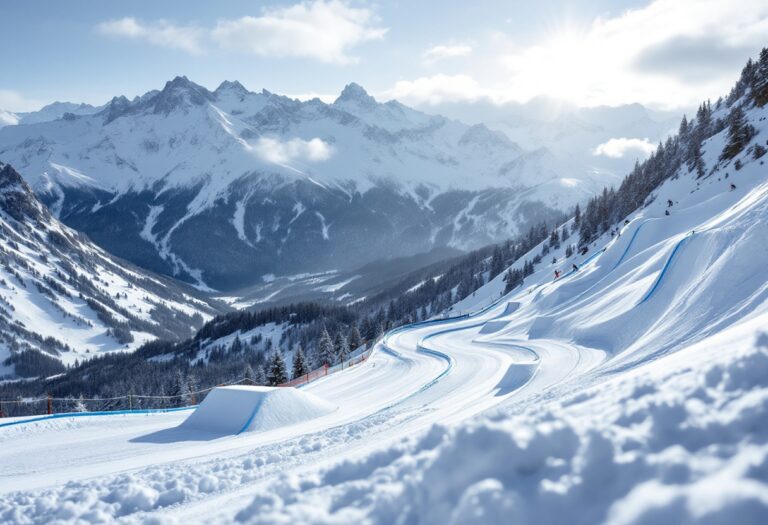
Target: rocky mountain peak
x=16 y=197
x=356 y=94
x=178 y=93
x=231 y=86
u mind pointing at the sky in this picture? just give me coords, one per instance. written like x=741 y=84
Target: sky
x=664 y=54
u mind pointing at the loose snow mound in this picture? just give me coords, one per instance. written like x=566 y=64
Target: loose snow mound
x=235 y=409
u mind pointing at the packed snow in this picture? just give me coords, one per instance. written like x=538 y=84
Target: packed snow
x=633 y=390
x=238 y=408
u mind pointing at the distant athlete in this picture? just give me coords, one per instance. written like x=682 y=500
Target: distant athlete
x=575 y=268
x=733 y=186
x=557 y=274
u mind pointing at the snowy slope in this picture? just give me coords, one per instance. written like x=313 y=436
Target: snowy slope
x=666 y=426
x=272 y=178
x=631 y=391
x=65 y=297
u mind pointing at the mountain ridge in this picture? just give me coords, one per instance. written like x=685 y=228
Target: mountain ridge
x=276 y=182
x=63 y=299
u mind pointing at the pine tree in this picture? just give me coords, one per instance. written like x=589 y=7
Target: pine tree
x=576 y=218
x=260 y=377
x=248 y=375
x=368 y=329
x=513 y=279
x=554 y=239
x=179 y=390
x=465 y=286
x=325 y=353
x=342 y=348
x=277 y=371
x=497 y=263
x=355 y=340
x=739 y=134
x=192 y=388
x=299 y=363
x=760 y=80
x=759 y=151
x=697 y=160
x=79 y=405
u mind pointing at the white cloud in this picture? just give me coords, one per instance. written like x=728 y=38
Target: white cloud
x=322 y=30
x=439 y=89
x=8 y=119
x=618 y=60
x=284 y=152
x=667 y=54
x=16 y=102
x=619 y=147
x=160 y=33
x=328 y=98
x=441 y=52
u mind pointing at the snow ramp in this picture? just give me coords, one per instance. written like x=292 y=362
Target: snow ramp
x=237 y=409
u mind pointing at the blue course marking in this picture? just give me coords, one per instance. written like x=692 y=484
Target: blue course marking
x=101 y=413
x=250 y=418
x=435 y=353
x=593 y=256
x=430 y=384
x=626 y=250
x=665 y=268
x=253 y=413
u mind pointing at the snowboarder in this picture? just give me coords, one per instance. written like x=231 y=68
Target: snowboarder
x=733 y=186
x=575 y=268
x=666 y=212
x=626 y=221
x=669 y=203
x=557 y=274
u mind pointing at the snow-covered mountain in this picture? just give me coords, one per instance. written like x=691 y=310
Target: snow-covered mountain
x=62 y=298
x=632 y=390
x=280 y=186
x=603 y=139
x=47 y=113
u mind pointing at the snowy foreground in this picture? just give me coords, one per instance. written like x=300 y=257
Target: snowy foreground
x=634 y=391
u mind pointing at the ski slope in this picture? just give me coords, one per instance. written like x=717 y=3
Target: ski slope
x=637 y=384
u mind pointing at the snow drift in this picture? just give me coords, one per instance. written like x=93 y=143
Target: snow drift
x=236 y=409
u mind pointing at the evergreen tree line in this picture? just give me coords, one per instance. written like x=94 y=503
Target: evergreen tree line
x=318 y=335
x=683 y=150
x=315 y=334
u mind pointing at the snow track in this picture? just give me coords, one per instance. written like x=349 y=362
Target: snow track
x=432 y=372
x=562 y=341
